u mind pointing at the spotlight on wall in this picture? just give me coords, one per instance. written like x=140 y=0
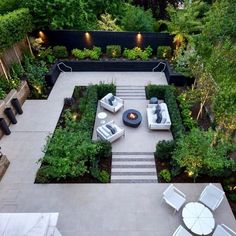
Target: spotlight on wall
x=88 y=39
x=139 y=39
x=42 y=35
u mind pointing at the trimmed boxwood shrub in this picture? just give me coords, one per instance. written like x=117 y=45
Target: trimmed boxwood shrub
x=93 y=53
x=164 y=150
x=60 y=51
x=104 y=89
x=113 y=51
x=167 y=93
x=13 y=27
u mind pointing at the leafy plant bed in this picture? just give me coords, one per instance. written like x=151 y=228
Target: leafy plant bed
x=71 y=156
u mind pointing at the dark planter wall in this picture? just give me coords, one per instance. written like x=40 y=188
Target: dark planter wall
x=81 y=39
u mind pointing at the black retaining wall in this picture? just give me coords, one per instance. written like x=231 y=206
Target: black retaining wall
x=119 y=65
x=79 y=39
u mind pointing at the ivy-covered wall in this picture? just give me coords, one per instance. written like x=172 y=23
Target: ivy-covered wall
x=13 y=27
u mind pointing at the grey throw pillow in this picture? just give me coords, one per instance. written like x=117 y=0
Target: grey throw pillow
x=110 y=100
x=159 y=118
x=112 y=129
x=158 y=109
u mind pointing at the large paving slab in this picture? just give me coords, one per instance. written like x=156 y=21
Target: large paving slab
x=140 y=139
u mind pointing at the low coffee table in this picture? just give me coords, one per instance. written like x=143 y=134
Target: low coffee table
x=132 y=118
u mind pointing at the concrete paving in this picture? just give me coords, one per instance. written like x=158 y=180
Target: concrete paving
x=86 y=209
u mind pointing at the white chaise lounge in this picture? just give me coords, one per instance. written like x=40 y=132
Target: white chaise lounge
x=165 y=122
x=181 y=231
x=223 y=230
x=105 y=134
x=112 y=106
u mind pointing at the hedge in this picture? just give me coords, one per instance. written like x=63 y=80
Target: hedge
x=167 y=93
x=13 y=27
x=8 y=6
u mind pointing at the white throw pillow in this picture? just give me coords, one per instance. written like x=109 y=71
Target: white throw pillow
x=115 y=102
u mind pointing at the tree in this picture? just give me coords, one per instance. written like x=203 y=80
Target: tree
x=107 y=23
x=198 y=153
x=137 y=19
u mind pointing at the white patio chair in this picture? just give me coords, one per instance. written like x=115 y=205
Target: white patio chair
x=174 y=197
x=105 y=134
x=104 y=102
x=211 y=196
x=223 y=230
x=181 y=231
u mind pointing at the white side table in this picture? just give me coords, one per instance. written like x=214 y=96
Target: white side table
x=198 y=218
x=102 y=116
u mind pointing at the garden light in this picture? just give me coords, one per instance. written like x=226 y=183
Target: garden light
x=139 y=39
x=88 y=39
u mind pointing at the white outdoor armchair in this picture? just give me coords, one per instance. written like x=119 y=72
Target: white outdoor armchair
x=223 y=230
x=104 y=102
x=181 y=231
x=211 y=196
x=105 y=134
x=174 y=197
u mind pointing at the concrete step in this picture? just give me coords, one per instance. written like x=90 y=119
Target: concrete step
x=132 y=170
x=133 y=181
x=122 y=162
x=133 y=98
x=133 y=166
x=131 y=159
x=118 y=177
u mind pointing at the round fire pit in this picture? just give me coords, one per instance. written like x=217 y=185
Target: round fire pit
x=132 y=118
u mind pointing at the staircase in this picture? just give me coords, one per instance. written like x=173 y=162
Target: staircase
x=133 y=168
x=131 y=92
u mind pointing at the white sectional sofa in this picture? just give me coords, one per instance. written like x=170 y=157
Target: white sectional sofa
x=119 y=103
x=105 y=134
x=165 y=122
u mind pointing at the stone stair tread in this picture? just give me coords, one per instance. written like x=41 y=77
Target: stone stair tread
x=114 y=170
x=135 y=177
x=132 y=159
x=134 y=173
x=133 y=162
x=133 y=166
x=133 y=181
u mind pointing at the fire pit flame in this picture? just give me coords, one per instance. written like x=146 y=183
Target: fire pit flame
x=132 y=116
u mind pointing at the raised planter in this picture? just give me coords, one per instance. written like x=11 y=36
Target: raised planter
x=119 y=65
x=4 y=163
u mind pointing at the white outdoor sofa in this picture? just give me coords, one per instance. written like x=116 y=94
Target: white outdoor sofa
x=105 y=134
x=212 y=196
x=174 y=197
x=104 y=102
x=181 y=231
x=165 y=123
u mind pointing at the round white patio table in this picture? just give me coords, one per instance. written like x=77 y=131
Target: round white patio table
x=198 y=218
x=102 y=116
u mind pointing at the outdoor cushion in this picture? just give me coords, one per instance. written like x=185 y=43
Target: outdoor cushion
x=112 y=129
x=110 y=100
x=159 y=118
x=114 y=102
x=164 y=117
x=107 y=130
x=103 y=132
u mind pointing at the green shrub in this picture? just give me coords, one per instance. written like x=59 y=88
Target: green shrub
x=165 y=175
x=104 y=149
x=8 y=6
x=93 y=54
x=60 y=51
x=47 y=55
x=2 y=93
x=164 y=52
x=113 y=51
x=164 y=150
x=137 y=19
x=104 y=89
x=232 y=197
x=16 y=71
x=186 y=113
x=78 y=53
x=13 y=27
x=7 y=85
x=155 y=91
x=135 y=53
x=104 y=177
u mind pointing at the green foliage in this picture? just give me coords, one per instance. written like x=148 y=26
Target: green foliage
x=167 y=93
x=7 y=85
x=61 y=14
x=60 y=51
x=164 y=150
x=8 y=6
x=164 y=52
x=93 y=54
x=2 y=93
x=16 y=71
x=104 y=89
x=198 y=153
x=13 y=27
x=135 y=53
x=113 y=51
x=137 y=19
x=165 y=175
x=35 y=72
x=107 y=23
x=186 y=113
x=70 y=152
x=47 y=55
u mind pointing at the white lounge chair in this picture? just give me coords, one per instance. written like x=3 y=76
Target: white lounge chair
x=181 y=231
x=105 y=134
x=174 y=197
x=211 y=196
x=119 y=103
x=223 y=230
